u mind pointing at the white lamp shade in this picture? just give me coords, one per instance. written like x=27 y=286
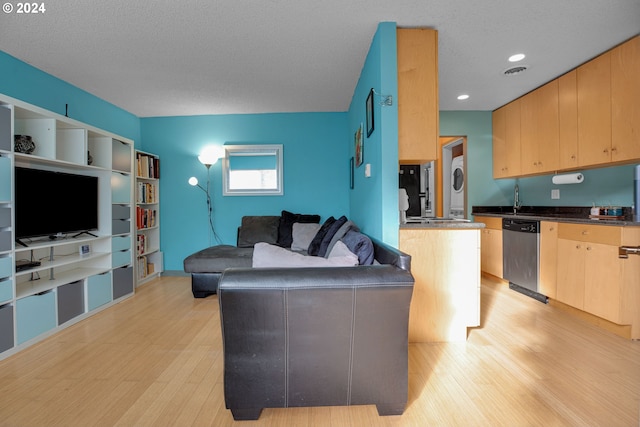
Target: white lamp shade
x=210 y=155
x=193 y=181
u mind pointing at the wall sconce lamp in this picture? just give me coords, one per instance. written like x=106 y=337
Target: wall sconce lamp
x=208 y=157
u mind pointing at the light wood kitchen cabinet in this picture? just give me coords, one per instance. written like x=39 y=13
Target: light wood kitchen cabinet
x=590 y=274
x=539 y=130
x=491 y=245
x=548 y=258
x=594 y=111
x=445 y=263
x=418 y=122
x=568 y=120
x=506 y=140
x=625 y=107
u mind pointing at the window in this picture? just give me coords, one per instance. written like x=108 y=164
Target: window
x=252 y=170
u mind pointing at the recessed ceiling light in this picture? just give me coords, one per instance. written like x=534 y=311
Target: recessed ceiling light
x=463 y=97
x=517 y=57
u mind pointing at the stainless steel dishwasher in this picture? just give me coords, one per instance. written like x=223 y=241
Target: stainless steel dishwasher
x=521 y=256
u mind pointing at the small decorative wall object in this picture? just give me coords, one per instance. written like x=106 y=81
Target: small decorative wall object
x=369 y=108
x=351 y=173
x=359 y=146
x=24 y=144
x=89 y=158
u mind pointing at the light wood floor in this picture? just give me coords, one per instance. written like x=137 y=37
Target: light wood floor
x=155 y=359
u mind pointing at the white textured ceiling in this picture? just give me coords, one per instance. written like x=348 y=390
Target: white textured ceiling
x=192 y=57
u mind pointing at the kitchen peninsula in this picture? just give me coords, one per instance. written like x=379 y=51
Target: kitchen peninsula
x=445 y=262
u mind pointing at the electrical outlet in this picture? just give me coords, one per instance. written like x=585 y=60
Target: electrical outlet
x=555 y=194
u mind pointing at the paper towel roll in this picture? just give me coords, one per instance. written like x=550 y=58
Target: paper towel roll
x=570 y=178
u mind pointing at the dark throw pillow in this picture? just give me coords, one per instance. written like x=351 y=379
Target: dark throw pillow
x=285 y=227
x=314 y=246
x=331 y=232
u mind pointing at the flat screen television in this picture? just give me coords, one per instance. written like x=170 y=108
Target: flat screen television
x=48 y=203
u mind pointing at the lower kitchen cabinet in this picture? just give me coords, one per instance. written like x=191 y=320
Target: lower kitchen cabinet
x=548 y=258
x=491 y=245
x=589 y=272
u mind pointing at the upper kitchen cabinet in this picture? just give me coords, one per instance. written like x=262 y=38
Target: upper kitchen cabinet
x=594 y=111
x=625 y=108
x=417 y=94
x=568 y=120
x=587 y=117
x=506 y=140
x=539 y=130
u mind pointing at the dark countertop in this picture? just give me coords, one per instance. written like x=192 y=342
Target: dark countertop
x=571 y=214
x=438 y=225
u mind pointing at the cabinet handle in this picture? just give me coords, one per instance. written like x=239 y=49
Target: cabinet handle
x=577 y=246
x=585 y=232
x=588 y=248
x=573 y=157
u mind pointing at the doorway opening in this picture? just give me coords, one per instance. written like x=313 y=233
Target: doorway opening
x=453 y=167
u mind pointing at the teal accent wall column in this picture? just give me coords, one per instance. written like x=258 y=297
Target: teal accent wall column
x=22 y=81
x=374 y=200
x=316 y=173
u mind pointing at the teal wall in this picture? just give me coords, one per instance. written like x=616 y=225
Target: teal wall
x=26 y=83
x=604 y=186
x=374 y=200
x=316 y=173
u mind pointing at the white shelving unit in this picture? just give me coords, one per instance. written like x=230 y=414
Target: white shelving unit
x=67 y=286
x=149 y=260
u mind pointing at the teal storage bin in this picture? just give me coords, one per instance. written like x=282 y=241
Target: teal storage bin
x=35 y=315
x=120 y=258
x=98 y=290
x=6 y=266
x=6 y=290
x=120 y=243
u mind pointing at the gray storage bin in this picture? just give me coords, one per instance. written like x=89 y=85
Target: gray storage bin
x=5 y=217
x=122 y=282
x=6 y=327
x=70 y=301
x=120 y=226
x=120 y=212
x=5 y=240
x=121 y=160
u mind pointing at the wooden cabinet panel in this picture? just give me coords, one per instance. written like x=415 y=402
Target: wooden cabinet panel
x=625 y=104
x=568 y=121
x=417 y=54
x=506 y=148
x=491 y=245
x=594 y=111
x=445 y=297
x=570 y=278
x=605 y=234
x=539 y=130
x=548 y=258
x=603 y=281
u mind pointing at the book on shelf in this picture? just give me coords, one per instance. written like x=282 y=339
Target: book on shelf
x=147 y=192
x=147 y=166
x=145 y=218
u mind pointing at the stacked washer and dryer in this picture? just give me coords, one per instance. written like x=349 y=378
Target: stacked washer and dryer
x=456 y=204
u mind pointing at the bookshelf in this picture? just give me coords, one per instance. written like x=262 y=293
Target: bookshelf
x=149 y=260
x=68 y=277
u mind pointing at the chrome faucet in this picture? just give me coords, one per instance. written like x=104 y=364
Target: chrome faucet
x=516 y=198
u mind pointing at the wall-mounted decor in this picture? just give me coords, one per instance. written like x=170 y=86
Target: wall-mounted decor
x=351 y=173
x=369 y=107
x=359 y=146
